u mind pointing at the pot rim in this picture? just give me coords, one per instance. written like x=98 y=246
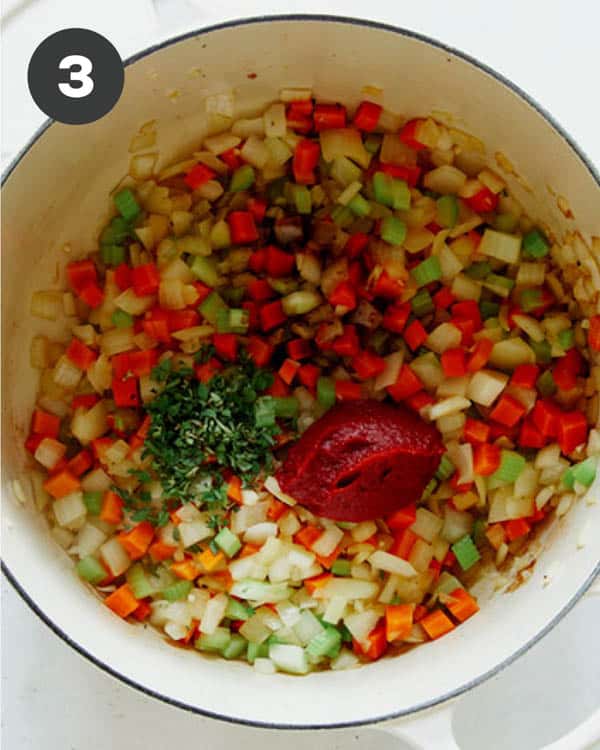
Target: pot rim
x=465 y=687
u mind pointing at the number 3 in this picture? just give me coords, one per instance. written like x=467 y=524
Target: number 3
x=82 y=76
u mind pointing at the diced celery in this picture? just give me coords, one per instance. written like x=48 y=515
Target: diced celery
x=542 y=351
x=233 y=295
x=341 y=568
x=506 y=223
x=302 y=199
x=505 y=247
x=177 y=591
x=325 y=643
x=422 y=304
x=583 y=473
x=93 y=502
x=259 y=591
x=286 y=408
x=530 y=299
x=546 y=385
x=511 y=466
x=382 y=188
x=236 y=647
x=478 y=533
x=447 y=583
x=228 y=542
x=209 y=309
x=237 y=611
x=393 y=230
x=127 y=204
x=113 y=255
x=205 y=269
x=488 y=309
x=232 y=320
x=220 y=236
x=359 y=206
x=326 y=392
x=91 y=570
x=121 y=319
x=427 y=271
x=479 y=270
x=447 y=211
x=445 y=468
x=216 y=641
x=257 y=651
x=344 y=171
x=566 y=339
x=138 y=581
x=342 y=216
x=535 y=244
x=116 y=232
x=466 y=552
x=373 y=143
x=430 y=488
x=242 y=179
x=500 y=285
x=400 y=195
x=264 y=411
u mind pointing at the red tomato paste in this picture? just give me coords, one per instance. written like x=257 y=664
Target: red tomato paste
x=362 y=460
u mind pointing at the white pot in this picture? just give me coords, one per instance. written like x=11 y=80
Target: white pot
x=57 y=193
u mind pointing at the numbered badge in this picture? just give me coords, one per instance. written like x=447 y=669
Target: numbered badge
x=75 y=76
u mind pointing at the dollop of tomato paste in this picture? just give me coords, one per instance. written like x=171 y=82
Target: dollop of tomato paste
x=362 y=460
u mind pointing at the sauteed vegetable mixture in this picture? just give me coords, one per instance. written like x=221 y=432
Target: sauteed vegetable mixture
x=321 y=375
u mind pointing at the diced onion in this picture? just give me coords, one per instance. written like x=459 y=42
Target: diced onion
x=70 y=510
x=89 y=540
x=89 y=425
x=141 y=166
x=47 y=305
x=486 y=386
x=213 y=614
x=260 y=532
x=445 y=179
x=392 y=564
x=328 y=541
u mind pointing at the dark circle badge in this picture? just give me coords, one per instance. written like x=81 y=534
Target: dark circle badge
x=75 y=76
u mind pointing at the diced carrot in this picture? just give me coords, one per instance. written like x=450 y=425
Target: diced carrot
x=403 y=517
x=419 y=613
x=328 y=561
x=234 y=490
x=461 y=604
x=62 y=484
x=137 y=541
x=508 y=411
x=192 y=632
x=398 y=621
x=276 y=509
x=160 y=551
x=209 y=560
x=594 y=333
x=403 y=543
x=476 y=431
x=495 y=535
x=248 y=549
x=308 y=536
x=112 y=508
x=480 y=355
x=186 y=569
x=80 y=463
x=288 y=370
x=377 y=643
x=317 y=582
x=516 y=528
x=45 y=424
x=122 y=601
x=486 y=459
x=437 y=624
x=142 y=612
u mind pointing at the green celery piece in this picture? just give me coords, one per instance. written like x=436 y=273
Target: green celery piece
x=220 y=236
x=205 y=269
x=566 y=339
x=478 y=532
x=233 y=295
x=342 y=216
x=177 y=591
x=242 y=179
x=227 y=541
x=530 y=299
x=116 y=232
x=359 y=206
x=209 y=308
x=478 y=270
x=232 y=320
x=430 y=488
x=535 y=244
x=324 y=642
x=466 y=552
x=511 y=466
x=216 y=641
x=264 y=411
x=126 y=204
x=445 y=468
x=257 y=651
x=546 y=385
x=382 y=188
x=302 y=199
x=393 y=230
x=373 y=143
x=427 y=271
x=542 y=351
x=400 y=195
x=447 y=211
x=506 y=223
x=447 y=583
x=237 y=611
x=121 y=319
x=326 y=392
x=138 y=581
x=341 y=568
x=113 y=255
x=345 y=172
x=422 y=304
x=236 y=647
x=93 y=502
x=286 y=408
x=91 y=570
x=500 y=285
x=488 y=309
x=583 y=473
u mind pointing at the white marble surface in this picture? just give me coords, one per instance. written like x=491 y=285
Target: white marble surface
x=51 y=697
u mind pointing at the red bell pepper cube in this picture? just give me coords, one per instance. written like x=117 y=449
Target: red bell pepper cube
x=367 y=116
x=483 y=201
x=300 y=124
x=208 y=370
x=308 y=375
x=348 y=390
x=516 y=528
x=203 y=292
x=260 y=290
x=279 y=389
x=415 y=335
x=567 y=369
x=242 y=227
x=467 y=327
x=279 y=263
x=306 y=158
x=355 y=274
x=546 y=416
x=572 y=430
x=475 y=431
x=80 y=354
x=92 y=295
x=408 y=134
x=301 y=108
x=257 y=207
x=253 y=317
x=272 y=315
x=486 y=459
x=594 y=333
x=232 y=158
x=329 y=116
x=142 y=362
x=125 y=392
x=525 y=376
x=145 y=279
x=355 y=244
x=123 y=276
x=403 y=517
x=453 y=363
x=468 y=309
x=322 y=338
x=508 y=411
x=443 y=299
x=368 y=364
x=80 y=463
x=299 y=349
x=198 y=176
x=288 y=370
x=259 y=350
x=157 y=327
x=80 y=273
x=480 y=355
x=226 y=345
x=410 y=174
x=396 y=316
x=45 y=424
x=347 y=345
x=258 y=260
x=385 y=286
x=530 y=436
x=84 y=401
x=180 y=319
x=32 y=442
x=121 y=364
x=407 y=384
x=419 y=400
x=343 y=295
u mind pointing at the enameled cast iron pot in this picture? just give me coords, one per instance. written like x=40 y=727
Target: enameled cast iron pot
x=56 y=192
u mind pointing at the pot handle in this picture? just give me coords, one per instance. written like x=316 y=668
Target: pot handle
x=429 y=730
